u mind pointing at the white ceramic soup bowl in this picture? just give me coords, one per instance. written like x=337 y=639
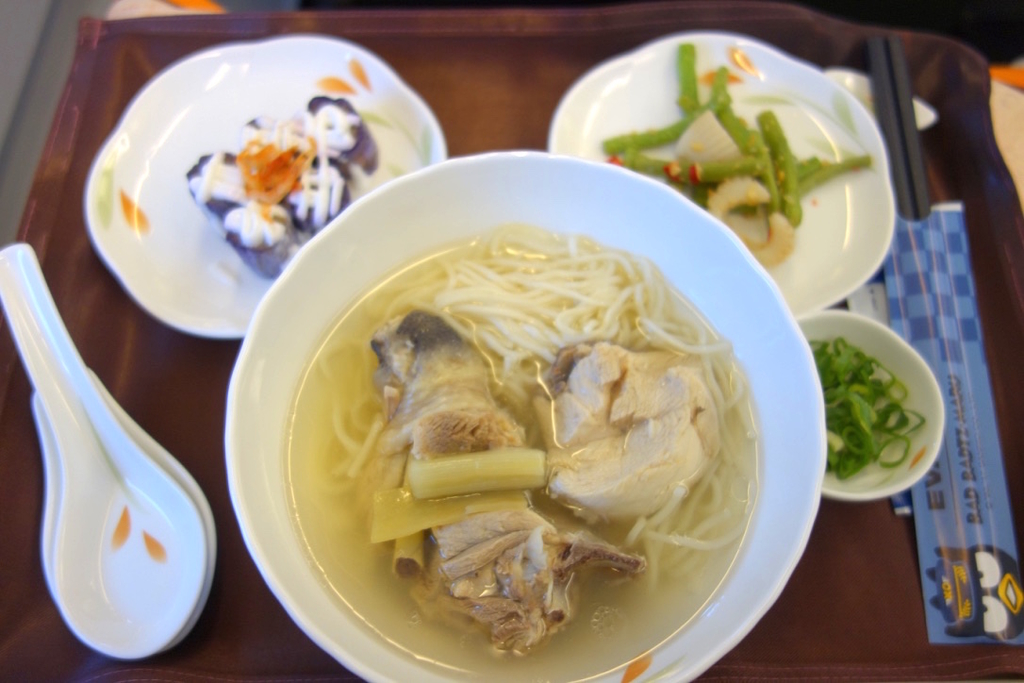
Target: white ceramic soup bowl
x=461 y=198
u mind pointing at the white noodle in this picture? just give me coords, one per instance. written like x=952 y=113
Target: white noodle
x=522 y=294
x=369 y=444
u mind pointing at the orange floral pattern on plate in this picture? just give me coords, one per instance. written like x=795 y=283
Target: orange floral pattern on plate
x=334 y=84
x=137 y=220
x=355 y=67
x=340 y=86
x=742 y=60
x=636 y=668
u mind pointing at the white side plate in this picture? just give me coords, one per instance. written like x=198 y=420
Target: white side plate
x=848 y=222
x=141 y=217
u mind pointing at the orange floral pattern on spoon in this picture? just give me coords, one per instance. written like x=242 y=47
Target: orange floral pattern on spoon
x=123 y=530
x=155 y=548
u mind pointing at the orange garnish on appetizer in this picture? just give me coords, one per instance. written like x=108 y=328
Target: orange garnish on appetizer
x=137 y=220
x=269 y=173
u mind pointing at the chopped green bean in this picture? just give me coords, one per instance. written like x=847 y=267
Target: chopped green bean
x=737 y=130
x=805 y=167
x=719 y=97
x=785 y=166
x=767 y=172
x=699 y=194
x=717 y=171
x=636 y=160
x=830 y=170
x=686 y=68
x=647 y=139
x=685 y=172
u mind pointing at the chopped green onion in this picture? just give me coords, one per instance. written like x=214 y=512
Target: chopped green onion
x=864 y=412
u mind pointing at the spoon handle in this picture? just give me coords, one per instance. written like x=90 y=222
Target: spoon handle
x=51 y=360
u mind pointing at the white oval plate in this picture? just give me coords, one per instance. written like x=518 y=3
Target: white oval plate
x=848 y=223
x=142 y=219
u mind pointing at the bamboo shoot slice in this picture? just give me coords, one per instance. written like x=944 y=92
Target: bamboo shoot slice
x=502 y=469
x=398 y=513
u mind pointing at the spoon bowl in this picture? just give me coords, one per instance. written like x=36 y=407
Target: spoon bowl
x=128 y=548
x=51 y=465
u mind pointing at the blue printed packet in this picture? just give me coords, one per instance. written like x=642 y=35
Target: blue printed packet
x=970 y=574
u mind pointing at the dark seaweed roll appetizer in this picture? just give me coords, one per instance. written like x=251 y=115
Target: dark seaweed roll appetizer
x=290 y=179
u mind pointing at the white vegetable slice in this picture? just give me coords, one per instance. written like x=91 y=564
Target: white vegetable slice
x=779 y=245
x=738 y=191
x=705 y=140
x=749 y=226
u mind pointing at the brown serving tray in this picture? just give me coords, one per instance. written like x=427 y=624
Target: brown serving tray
x=853 y=608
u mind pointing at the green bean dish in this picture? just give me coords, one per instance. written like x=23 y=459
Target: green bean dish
x=743 y=172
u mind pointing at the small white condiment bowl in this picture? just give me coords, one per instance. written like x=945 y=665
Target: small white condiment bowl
x=923 y=395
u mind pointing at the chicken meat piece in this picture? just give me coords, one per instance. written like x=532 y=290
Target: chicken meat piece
x=628 y=428
x=436 y=397
x=436 y=393
x=512 y=573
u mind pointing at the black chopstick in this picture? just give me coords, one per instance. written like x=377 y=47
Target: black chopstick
x=894 y=108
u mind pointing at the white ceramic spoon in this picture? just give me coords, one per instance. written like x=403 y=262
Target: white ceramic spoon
x=51 y=464
x=130 y=549
x=859 y=86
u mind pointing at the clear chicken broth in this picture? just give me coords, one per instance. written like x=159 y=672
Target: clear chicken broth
x=616 y=620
